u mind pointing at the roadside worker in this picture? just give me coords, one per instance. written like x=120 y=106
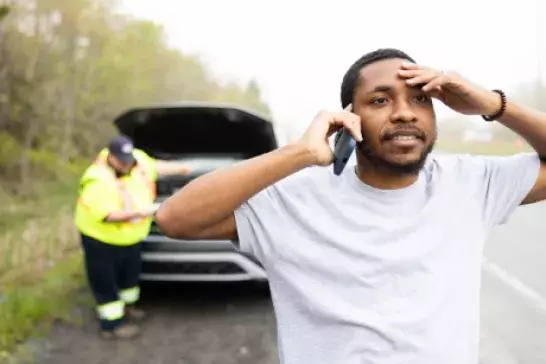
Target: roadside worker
x=113 y=214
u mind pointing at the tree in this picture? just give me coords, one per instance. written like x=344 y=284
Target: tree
x=4 y=11
x=67 y=68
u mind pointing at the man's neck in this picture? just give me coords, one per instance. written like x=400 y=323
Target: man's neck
x=383 y=179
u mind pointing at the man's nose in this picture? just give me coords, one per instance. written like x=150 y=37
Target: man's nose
x=403 y=113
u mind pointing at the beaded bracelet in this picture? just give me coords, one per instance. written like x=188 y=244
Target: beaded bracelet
x=502 y=109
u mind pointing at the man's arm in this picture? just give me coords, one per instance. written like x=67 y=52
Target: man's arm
x=204 y=208
x=469 y=99
x=530 y=125
x=123 y=216
x=166 y=168
x=159 y=167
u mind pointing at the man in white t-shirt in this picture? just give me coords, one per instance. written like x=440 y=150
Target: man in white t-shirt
x=382 y=263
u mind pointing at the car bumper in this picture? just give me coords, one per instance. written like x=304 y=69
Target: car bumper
x=165 y=259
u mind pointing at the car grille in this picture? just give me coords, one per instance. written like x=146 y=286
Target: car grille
x=166 y=188
x=191 y=268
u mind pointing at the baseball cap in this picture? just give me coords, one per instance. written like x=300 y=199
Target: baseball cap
x=122 y=148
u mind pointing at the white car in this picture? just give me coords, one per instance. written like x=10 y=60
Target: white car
x=207 y=136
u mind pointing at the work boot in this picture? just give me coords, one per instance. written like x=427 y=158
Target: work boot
x=134 y=314
x=123 y=332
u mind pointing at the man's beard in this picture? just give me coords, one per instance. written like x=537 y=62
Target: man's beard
x=392 y=167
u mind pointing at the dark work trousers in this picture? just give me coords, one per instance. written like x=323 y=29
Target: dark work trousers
x=110 y=270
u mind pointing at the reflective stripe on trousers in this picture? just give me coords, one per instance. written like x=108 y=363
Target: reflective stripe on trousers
x=111 y=311
x=130 y=296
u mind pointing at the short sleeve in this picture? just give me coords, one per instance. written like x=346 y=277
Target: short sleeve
x=95 y=198
x=267 y=220
x=503 y=184
x=254 y=220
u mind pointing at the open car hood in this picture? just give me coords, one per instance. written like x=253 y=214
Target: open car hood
x=197 y=128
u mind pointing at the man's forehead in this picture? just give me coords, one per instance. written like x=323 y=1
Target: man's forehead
x=384 y=72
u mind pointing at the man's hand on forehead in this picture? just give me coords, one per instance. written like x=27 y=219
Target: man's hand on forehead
x=425 y=78
x=453 y=90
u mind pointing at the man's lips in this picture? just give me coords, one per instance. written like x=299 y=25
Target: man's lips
x=405 y=135
x=405 y=138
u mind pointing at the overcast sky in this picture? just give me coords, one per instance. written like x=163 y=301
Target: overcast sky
x=298 y=50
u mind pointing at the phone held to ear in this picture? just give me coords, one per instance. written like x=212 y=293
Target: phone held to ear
x=344 y=145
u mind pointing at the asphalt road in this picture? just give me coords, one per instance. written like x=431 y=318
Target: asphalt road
x=227 y=324
x=514 y=290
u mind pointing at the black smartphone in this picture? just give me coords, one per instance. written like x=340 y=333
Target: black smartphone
x=344 y=146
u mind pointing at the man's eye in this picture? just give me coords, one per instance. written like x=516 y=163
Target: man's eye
x=422 y=98
x=379 y=100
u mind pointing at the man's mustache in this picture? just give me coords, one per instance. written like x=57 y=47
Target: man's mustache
x=403 y=130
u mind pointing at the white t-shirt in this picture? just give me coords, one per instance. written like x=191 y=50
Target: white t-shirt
x=360 y=275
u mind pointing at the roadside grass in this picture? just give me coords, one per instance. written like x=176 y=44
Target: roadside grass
x=41 y=268
x=34 y=234
x=28 y=311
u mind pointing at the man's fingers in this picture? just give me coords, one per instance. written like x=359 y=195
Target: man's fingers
x=410 y=65
x=437 y=93
x=355 y=130
x=430 y=79
x=436 y=82
x=422 y=78
x=351 y=122
x=410 y=73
